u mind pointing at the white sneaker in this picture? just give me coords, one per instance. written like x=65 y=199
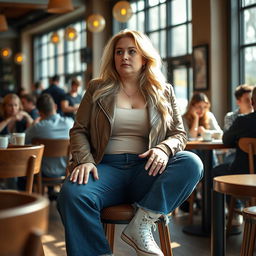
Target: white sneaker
x=138 y=233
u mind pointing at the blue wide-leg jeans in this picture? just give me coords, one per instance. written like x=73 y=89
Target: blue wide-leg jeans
x=122 y=179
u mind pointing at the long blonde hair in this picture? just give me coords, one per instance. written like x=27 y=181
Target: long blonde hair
x=152 y=81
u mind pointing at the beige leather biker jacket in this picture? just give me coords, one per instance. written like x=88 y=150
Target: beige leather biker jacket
x=92 y=128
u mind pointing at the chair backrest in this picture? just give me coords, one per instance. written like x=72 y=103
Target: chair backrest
x=21 y=161
x=23 y=219
x=248 y=145
x=54 y=147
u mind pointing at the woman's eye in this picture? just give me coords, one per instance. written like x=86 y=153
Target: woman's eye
x=132 y=52
x=118 y=52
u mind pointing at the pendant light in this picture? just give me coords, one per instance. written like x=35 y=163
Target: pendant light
x=122 y=11
x=70 y=34
x=19 y=58
x=55 y=39
x=96 y=23
x=3 y=23
x=60 y=6
x=6 y=53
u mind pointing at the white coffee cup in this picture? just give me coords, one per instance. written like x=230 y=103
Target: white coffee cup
x=217 y=135
x=207 y=135
x=18 y=138
x=3 y=141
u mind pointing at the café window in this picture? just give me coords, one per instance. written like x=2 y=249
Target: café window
x=63 y=59
x=242 y=45
x=248 y=41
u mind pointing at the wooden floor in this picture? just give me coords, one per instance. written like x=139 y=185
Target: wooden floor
x=182 y=244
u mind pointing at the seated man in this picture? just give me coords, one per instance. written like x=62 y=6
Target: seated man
x=243 y=126
x=51 y=126
x=243 y=95
x=29 y=105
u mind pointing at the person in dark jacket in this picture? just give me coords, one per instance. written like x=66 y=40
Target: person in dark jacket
x=56 y=92
x=243 y=126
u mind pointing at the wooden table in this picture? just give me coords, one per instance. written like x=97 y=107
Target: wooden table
x=207 y=147
x=236 y=185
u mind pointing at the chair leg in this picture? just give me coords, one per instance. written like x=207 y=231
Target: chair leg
x=191 y=201
x=165 y=238
x=110 y=234
x=230 y=214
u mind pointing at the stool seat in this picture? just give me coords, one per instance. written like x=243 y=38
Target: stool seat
x=249 y=235
x=122 y=212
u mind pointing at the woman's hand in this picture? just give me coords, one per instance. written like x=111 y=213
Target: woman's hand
x=201 y=130
x=194 y=113
x=81 y=173
x=157 y=161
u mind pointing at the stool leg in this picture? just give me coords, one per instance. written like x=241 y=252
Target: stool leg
x=245 y=239
x=110 y=234
x=165 y=238
x=252 y=237
x=249 y=236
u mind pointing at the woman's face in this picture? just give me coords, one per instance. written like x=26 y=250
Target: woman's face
x=200 y=108
x=12 y=107
x=128 y=61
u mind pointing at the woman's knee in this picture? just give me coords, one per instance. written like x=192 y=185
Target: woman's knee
x=191 y=164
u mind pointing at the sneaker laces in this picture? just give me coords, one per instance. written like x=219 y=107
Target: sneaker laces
x=145 y=231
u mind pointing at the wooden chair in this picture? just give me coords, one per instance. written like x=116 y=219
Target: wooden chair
x=23 y=219
x=21 y=161
x=53 y=148
x=248 y=145
x=122 y=214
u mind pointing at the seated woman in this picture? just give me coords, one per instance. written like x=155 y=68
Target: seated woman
x=198 y=117
x=14 y=119
x=197 y=120
x=127 y=147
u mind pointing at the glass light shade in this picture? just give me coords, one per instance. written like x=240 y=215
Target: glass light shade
x=70 y=34
x=96 y=23
x=55 y=39
x=60 y=6
x=19 y=58
x=6 y=53
x=122 y=11
x=3 y=23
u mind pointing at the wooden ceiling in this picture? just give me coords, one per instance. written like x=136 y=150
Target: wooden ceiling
x=21 y=12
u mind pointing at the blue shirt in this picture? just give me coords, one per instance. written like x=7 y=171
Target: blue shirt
x=54 y=127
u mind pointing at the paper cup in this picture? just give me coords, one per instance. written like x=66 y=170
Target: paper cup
x=18 y=138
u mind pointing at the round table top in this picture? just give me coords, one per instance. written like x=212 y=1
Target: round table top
x=237 y=185
x=206 y=145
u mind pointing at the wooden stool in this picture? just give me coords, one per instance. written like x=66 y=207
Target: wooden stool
x=249 y=236
x=122 y=214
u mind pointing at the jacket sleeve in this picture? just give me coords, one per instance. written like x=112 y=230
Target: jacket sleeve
x=80 y=133
x=176 y=137
x=236 y=130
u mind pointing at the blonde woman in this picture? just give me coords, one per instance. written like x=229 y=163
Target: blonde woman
x=14 y=119
x=127 y=147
